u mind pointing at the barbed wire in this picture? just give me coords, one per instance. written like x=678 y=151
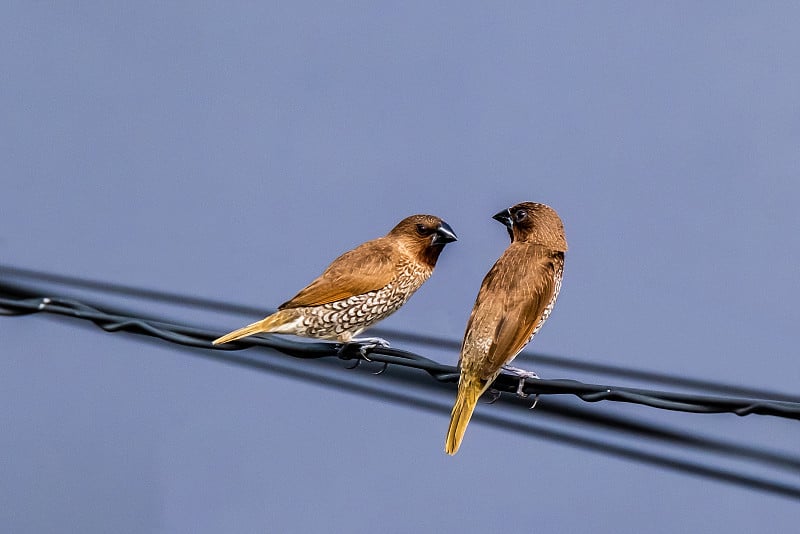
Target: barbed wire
x=188 y=336
x=207 y=304
x=199 y=337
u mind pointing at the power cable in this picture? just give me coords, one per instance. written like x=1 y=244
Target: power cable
x=198 y=337
x=397 y=335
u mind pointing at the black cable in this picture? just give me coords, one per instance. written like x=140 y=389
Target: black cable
x=198 y=337
x=397 y=335
x=186 y=335
x=531 y=429
x=572 y=413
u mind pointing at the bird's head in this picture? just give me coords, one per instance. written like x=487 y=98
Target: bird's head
x=534 y=223
x=424 y=235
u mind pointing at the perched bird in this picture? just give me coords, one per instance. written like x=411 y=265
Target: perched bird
x=515 y=299
x=361 y=286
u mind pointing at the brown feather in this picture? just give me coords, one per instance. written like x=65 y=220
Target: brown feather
x=469 y=391
x=368 y=267
x=514 y=301
x=509 y=307
x=511 y=304
x=362 y=286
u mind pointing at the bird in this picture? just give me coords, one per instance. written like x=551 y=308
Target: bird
x=514 y=301
x=360 y=287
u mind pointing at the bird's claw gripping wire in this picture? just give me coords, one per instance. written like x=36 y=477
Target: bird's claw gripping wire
x=383 y=369
x=495 y=394
x=522 y=374
x=365 y=346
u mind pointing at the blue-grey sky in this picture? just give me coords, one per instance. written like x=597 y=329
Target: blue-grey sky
x=231 y=150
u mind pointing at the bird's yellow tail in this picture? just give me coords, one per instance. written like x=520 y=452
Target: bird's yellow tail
x=273 y=323
x=470 y=389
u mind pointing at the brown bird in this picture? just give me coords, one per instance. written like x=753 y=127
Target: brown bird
x=361 y=286
x=515 y=299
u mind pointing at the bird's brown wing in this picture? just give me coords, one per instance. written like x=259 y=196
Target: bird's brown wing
x=366 y=268
x=510 y=304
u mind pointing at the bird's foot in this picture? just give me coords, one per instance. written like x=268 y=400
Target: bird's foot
x=522 y=374
x=495 y=394
x=364 y=345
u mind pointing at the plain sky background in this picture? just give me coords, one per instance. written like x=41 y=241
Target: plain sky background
x=231 y=150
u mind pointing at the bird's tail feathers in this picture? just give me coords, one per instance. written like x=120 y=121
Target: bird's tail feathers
x=470 y=389
x=277 y=322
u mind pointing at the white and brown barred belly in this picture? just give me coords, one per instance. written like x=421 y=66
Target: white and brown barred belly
x=558 y=276
x=346 y=318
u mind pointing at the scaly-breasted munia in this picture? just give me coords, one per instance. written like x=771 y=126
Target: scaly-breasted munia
x=361 y=286
x=515 y=299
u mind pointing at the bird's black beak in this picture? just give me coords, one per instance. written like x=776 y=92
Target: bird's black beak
x=505 y=218
x=444 y=234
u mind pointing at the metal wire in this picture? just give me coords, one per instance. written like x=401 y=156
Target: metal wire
x=706 y=386
x=410 y=363
x=200 y=337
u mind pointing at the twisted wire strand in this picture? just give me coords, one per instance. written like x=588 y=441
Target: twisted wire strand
x=201 y=337
x=617 y=371
x=190 y=336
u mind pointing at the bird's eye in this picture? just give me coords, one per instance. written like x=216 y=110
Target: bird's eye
x=520 y=215
x=423 y=230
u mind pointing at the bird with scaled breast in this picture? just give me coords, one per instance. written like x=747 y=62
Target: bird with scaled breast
x=515 y=299
x=360 y=287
